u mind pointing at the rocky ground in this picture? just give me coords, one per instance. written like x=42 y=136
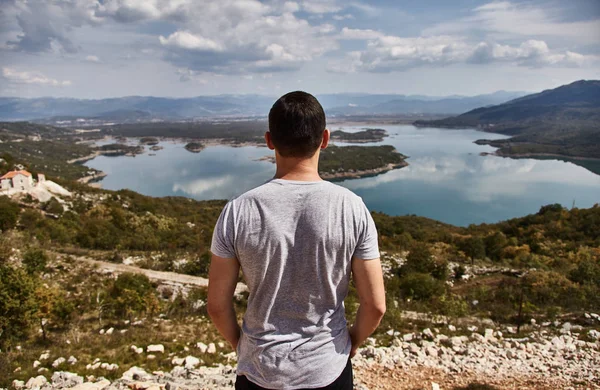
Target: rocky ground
x=559 y=358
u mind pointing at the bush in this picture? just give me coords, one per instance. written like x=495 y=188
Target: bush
x=131 y=294
x=35 y=261
x=53 y=206
x=9 y=213
x=420 y=286
x=17 y=304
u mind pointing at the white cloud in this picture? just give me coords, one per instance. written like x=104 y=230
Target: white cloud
x=189 y=41
x=23 y=77
x=92 y=59
x=504 y=19
x=387 y=53
x=320 y=6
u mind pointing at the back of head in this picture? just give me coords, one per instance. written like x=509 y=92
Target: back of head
x=296 y=124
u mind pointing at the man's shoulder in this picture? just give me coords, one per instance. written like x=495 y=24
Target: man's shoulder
x=272 y=187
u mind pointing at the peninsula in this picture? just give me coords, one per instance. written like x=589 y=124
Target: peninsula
x=338 y=163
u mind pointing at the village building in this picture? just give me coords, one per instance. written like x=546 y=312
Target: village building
x=17 y=180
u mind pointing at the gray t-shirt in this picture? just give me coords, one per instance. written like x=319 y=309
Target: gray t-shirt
x=295 y=241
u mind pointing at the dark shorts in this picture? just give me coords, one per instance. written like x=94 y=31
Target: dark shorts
x=343 y=382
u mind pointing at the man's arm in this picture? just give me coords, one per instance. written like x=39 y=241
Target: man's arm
x=222 y=280
x=368 y=279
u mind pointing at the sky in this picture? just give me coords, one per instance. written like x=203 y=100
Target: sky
x=182 y=48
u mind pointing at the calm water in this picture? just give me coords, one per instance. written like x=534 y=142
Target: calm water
x=446 y=180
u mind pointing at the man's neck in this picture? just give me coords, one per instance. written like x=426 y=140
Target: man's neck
x=299 y=169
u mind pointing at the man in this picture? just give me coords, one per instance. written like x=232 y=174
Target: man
x=298 y=240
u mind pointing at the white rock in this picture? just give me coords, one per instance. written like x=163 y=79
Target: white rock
x=221 y=344
x=36 y=364
x=452 y=328
x=435 y=386
x=150 y=357
x=177 y=361
x=489 y=333
x=191 y=362
x=45 y=356
x=594 y=334
x=428 y=334
x=511 y=330
x=135 y=374
x=72 y=360
x=58 y=362
x=472 y=329
x=36 y=383
x=156 y=348
x=110 y=331
x=408 y=337
x=211 y=348
x=17 y=384
x=64 y=379
x=100 y=385
x=202 y=347
x=102 y=331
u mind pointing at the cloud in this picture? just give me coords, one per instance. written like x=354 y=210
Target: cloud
x=92 y=59
x=189 y=41
x=387 y=53
x=22 y=77
x=342 y=17
x=504 y=19
x=320 y=6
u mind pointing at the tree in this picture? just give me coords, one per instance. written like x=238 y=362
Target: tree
x=53 y=206
x=17 y=304
x=52 y=308
x=474 y=247
x=9 y=213
x=131 y=294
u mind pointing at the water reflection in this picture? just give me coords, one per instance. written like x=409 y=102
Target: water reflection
x=446 y=179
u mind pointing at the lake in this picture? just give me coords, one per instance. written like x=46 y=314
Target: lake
x=446 y=180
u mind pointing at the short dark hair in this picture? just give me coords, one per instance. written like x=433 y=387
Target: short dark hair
x=296 y=124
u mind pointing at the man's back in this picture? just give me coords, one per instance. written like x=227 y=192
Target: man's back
x=295 y=241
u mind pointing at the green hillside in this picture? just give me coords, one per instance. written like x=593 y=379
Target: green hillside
x=563 y=121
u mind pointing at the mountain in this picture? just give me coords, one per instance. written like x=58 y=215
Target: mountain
x=415 y=104
x=563 y=121
x=143 y=109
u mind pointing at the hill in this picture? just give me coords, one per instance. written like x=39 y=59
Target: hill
x=559 y=122
x=133 y=109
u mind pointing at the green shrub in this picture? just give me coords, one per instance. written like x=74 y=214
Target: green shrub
x=35 y=261
x=17 y=304
x=420 y=286
x=9 y=213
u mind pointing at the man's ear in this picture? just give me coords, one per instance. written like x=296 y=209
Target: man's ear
x=269 y=141
x=325 y=141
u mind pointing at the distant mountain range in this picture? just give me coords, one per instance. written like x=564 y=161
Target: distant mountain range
x=144 y=109
x=563 y=121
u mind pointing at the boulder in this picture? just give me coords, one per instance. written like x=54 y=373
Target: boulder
x=156 y=348
x=428 y=334
x=64 y=379
x=136 y=374
x=191 y=362
x=211 y=348
x=58 y=362
x=36 y=383
x=594 y=334
x=17 y=384
x=202 y=347
x=100 y=385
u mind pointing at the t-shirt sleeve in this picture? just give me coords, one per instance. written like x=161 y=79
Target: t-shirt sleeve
x=223 y=235
x=367 y=247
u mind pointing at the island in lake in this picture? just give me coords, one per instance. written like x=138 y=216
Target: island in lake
x=363 y=136
x=194 y=147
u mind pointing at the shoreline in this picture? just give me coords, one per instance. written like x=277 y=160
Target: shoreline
x=499 y=153
x=340 y=176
